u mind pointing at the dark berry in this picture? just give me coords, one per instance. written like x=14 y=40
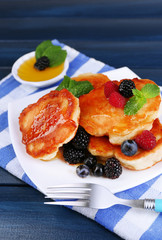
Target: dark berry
x=98 y=170
x=90 y=160
x=146 y=140
x=81 y=139
x=42 y=63
x=112 y=168
x=82 y=171
x=72 y=155
x=125 y=88
x=129 y=147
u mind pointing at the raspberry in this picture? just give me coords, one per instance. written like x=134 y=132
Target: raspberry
x=72 y=155
x=110 y=87
x=146 y=140
x=117 y=100
x=125 y=88
x=81 y=139
x=112 y=168
x=42 y=63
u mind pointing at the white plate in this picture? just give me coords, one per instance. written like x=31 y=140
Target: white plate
x=45 y=83
x=57 y=172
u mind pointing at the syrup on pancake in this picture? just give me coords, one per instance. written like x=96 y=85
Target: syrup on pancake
x=49 y=123
x=99 y=118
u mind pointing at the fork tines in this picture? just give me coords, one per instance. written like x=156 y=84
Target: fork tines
x=69 y=194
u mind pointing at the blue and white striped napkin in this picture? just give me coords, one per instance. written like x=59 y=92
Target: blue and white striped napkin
x=129 y=223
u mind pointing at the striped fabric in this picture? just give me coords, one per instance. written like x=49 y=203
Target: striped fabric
x=129 y=223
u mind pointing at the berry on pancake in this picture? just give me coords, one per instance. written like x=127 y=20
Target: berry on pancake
x=146 y=140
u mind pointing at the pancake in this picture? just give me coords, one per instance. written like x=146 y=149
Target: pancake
x=143 y=159
x=100 y=146
x=99 y=118
x=49 y=123
x=97 y=80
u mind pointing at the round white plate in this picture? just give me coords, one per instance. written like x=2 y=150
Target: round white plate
x=44 y=83
x=57 y=172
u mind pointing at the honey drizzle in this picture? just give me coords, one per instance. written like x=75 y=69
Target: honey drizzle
x=27 y=72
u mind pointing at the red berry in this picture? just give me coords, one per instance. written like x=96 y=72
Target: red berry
x=146 y=140
x=117 y=100
x=109 y=88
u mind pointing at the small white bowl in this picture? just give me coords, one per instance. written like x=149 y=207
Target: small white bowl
x=44 y=83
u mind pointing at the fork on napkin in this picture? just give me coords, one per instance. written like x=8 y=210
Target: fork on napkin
x=95 y=196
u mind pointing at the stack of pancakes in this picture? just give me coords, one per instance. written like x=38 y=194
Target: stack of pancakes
x=54 y=119
x=109 y=126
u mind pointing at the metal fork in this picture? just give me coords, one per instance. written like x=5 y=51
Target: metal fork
x=94 y=196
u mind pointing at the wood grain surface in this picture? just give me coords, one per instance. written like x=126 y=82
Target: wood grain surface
x=117 y=32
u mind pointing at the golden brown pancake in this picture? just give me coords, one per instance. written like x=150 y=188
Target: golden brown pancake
x=49 y=123
x=100 y=146
x=99 y=118
x=97 y=80
x=143 y=159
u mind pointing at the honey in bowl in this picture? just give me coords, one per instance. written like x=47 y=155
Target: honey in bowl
x=29 y=73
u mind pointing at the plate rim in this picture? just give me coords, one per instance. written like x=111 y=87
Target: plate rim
x=15 y=149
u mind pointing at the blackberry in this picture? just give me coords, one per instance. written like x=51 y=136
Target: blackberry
x=42 y=63
x=82 y=171
x=98 y=170
x=72 y=155
x=81 y=139
x=112 y=168
x=90 y=160
x=125 y=88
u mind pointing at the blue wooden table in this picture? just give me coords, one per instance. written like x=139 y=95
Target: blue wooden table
x=119 y=33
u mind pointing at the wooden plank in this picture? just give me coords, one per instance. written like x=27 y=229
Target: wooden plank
x=145 y=56
x=151 y=73
x=8 y=179
x=21 y=193
x=133 y=54
x=4 y=71
x=78 y=29
x=81 y=9
x=24 y=216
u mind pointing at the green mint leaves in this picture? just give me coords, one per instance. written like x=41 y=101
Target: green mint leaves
x=76 y=88
x=140 y=98
x=54 y=53
x=150 y=90
x=134 y=105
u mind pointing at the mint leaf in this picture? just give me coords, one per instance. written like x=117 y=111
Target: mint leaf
x=55 y=55
x=76 y=88
x=134 y=105
x=64 y=84
x=137 y=92
x=41 y=48
x=80 y=88
x=150 y=90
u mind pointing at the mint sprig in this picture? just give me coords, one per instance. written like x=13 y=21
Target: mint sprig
x=41 y=48
x=134 y=104
x=54 y=53
x=150 y=90
x=140 y=98
x=76 y=88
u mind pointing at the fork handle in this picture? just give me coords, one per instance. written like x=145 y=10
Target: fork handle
x=155 y=204
x=158 y=205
